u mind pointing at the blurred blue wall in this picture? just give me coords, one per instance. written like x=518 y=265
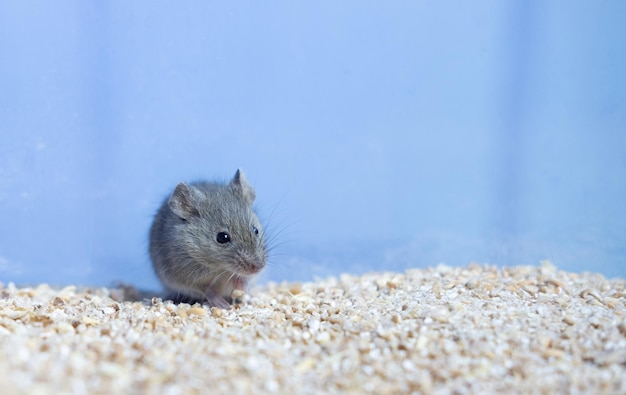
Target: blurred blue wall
x=379 y=136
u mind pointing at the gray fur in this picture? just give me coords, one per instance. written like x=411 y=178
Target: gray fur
x=185 y=253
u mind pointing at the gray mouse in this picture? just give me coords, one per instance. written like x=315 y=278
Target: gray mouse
x=206 y=242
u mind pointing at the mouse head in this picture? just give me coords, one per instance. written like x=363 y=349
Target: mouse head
x=220 y=225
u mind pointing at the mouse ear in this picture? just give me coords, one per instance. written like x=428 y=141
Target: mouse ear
x=242 y=187
x=182 y=202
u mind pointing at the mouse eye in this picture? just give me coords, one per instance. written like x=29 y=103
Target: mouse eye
x=223 y=237
x=255 y=230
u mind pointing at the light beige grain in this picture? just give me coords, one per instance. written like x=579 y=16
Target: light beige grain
x=444 y=330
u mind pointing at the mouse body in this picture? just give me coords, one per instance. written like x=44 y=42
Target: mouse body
x=207 y=243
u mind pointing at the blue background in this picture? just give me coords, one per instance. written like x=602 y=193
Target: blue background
x=378 y=135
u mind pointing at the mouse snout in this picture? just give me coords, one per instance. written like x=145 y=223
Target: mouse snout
x=251 y=265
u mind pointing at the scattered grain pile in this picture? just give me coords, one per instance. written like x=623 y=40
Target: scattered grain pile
x=464 y=330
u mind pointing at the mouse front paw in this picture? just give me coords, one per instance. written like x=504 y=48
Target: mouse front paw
x=213 y=299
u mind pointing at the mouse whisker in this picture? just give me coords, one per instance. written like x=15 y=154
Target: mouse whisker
x=219 y=277
x=230 y=277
